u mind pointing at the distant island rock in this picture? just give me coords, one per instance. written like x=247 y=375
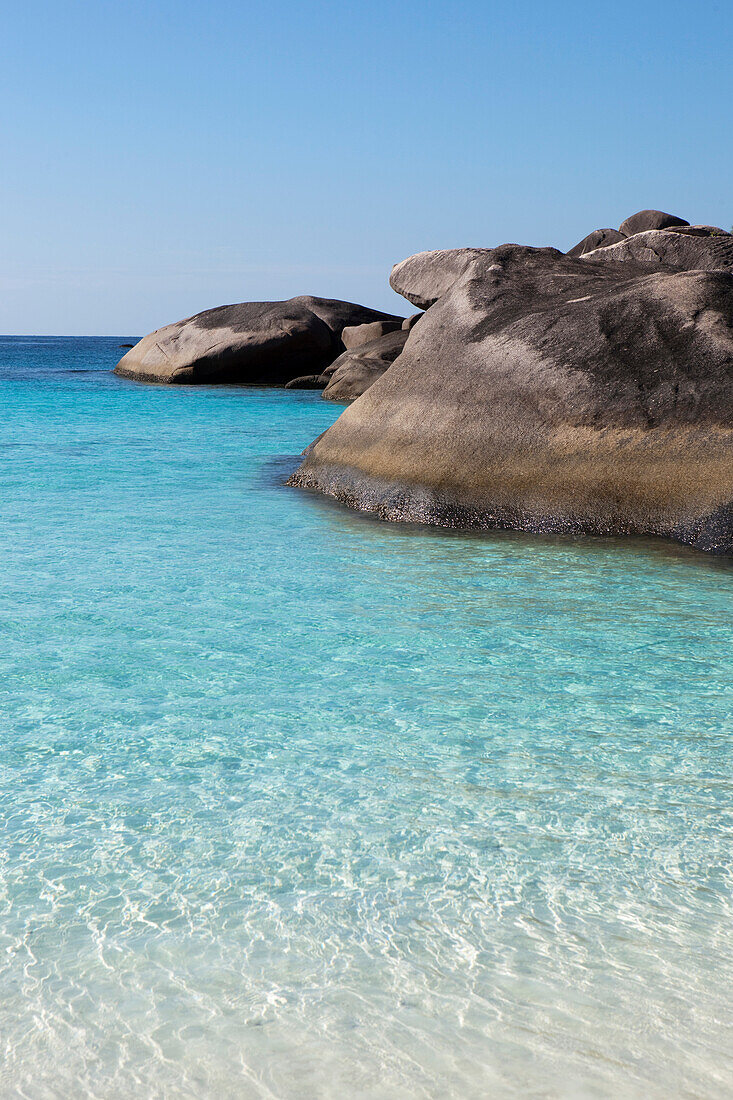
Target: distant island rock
x=586 y=392
x=265 y=343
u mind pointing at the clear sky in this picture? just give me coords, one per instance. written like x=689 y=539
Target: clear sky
x=162 y=157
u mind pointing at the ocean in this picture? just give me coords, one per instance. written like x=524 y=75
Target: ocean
x=298 y=804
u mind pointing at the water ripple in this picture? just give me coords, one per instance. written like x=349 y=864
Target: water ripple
x=298 y=804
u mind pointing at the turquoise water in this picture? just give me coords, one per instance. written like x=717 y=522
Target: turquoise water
x=296 y=804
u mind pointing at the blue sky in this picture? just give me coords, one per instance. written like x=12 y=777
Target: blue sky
x=163 y=157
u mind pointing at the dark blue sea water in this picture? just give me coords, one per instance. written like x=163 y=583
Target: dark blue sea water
x=297 y=804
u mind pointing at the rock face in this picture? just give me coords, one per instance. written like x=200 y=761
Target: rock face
x=599 y=238
x=356 y=370
x=649 y=219
x=356 y=335
x=266 y=343
x=549 y=393
x=674 y=248
x=424 y=278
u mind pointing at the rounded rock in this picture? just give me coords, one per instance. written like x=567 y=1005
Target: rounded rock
x=649 y=219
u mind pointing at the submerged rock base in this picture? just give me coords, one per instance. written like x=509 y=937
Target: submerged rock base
x=599 y=499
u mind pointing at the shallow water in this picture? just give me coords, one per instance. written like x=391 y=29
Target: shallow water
x=297 y=804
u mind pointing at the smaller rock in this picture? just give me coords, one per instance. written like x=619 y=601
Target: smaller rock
x=307 y=382
x=599 y=238
x=700 y=230
x=125 y=345
x=649 y=219
x=355 y=335
x=685 y=251
x=356 y=370
x=409 y=322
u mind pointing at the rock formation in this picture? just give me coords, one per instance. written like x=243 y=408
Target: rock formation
x=357 y=369
x=682 y=249
x=268 y=343
x=356 y=335
x=307 y=382
x=583 y=392
x=553 y=393
x=599 y=238
x=649 y=219
x=423 y=278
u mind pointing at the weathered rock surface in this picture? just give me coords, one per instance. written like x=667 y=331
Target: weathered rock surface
x=672 y=247
x=356 y=370
x=548 y=393
x=649 y=219
x=599 y=238
x=424 y=278
x=267 y=343
x=410 y=322
x=356 y=335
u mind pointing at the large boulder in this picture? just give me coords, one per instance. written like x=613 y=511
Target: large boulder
x=547 y=393
x=704 y=251
x=599 y=238
x=423 y=278
x=267 y=343
x=356 y=370
x=649 y=219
